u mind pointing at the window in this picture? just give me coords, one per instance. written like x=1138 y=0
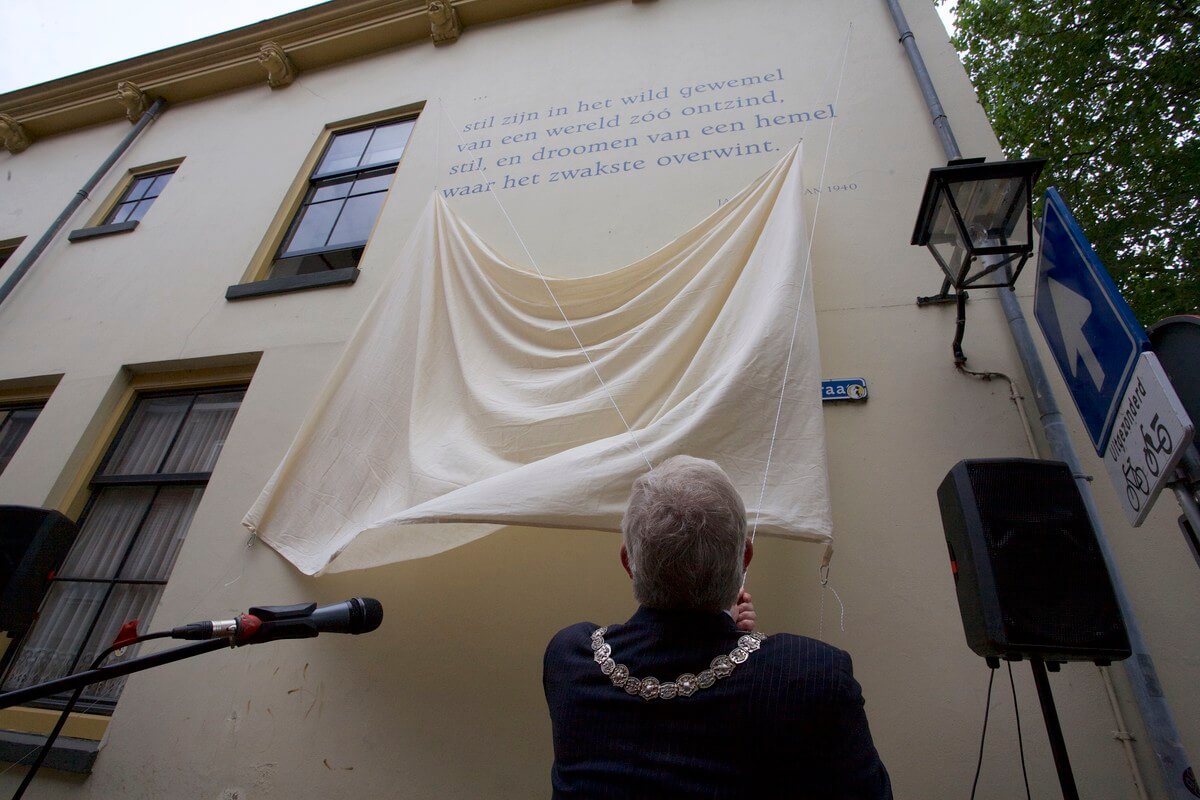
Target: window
x=139 y=196
x=8 y=248
x=141 y=503
x=345 y=192
x=15 y=422
x=126 y=206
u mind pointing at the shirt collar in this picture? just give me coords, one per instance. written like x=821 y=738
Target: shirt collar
x=683 y=619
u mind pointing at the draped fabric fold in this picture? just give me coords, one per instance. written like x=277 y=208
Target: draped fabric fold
x=463 y=401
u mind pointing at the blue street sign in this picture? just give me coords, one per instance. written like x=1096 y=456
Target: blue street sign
x=1092 y=333
x=848 y=389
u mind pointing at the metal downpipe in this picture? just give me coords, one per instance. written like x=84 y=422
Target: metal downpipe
x=19 y=272
x=1139 y=668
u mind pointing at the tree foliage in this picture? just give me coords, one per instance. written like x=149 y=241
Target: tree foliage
x=1107 y=90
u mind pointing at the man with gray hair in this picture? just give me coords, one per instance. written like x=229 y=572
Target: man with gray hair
x=687 y=699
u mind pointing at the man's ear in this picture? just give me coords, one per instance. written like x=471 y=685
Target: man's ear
x=625 y=562
x=749 y=554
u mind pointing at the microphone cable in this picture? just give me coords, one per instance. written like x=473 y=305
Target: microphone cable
x=983 y=737
x=987 y=709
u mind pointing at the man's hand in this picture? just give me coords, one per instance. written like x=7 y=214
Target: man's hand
x=743 y=612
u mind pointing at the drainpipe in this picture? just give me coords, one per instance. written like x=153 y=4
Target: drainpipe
x=1160 y=725
x=19 y=272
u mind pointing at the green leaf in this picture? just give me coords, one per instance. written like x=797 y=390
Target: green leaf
x=1108 y=91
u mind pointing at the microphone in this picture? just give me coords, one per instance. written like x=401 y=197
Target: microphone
x=301 y=621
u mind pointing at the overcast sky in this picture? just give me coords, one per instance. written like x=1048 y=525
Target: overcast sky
x=41 y=40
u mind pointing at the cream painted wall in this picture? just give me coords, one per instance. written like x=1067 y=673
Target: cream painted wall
x=445 y=700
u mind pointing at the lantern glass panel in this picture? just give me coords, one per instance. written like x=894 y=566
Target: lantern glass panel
x=994 y=211
x=946 y=240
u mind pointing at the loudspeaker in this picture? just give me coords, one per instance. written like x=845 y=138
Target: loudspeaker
x=33 y=544
x=1030 y=577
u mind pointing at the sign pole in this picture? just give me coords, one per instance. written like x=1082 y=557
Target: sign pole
x=1187 y=501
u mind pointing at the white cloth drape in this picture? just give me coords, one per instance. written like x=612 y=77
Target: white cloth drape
x=464 y=400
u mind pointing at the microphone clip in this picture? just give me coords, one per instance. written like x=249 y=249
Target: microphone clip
x=282 y=622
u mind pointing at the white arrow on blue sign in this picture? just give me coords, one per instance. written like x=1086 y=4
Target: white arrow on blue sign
x=1091 y=331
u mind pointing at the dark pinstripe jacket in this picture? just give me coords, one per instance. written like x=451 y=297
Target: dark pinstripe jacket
x=789 y=722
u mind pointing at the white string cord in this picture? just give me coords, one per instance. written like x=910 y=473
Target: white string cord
x=821 y=608
x=800 y=300
x=549 y=291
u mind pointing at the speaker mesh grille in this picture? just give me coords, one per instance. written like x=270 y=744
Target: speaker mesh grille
x=1051 y=581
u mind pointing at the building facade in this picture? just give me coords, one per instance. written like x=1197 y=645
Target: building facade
x=162 y=352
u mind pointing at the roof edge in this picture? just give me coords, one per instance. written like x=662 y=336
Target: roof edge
x=311 y=38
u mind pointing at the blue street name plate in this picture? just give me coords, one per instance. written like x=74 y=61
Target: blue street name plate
x=848 y=389
x=1090 y=329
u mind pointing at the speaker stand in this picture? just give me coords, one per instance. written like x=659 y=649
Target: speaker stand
x=1058 y=747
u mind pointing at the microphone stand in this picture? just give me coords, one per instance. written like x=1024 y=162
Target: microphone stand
x=96 y=674
x=81 y=679
x=262 y=624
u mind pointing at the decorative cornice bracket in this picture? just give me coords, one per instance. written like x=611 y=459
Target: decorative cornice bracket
x=133 y=99
x=444 y=26
x=13 y=135
x=280 y=69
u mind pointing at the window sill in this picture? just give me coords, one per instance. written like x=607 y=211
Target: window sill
x=101 y=230
x=292 y=283
x=67 y=754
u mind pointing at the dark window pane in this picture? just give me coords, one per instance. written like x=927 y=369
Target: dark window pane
x=145 y=440
x=6 y=252
x=161 y=534
x=52 y=645
x=203 y=434
x=111 y=523
x=13 y=427
x=387 y=145
x=313 y=227
x=137 y=189
x=53 y=648
x=122 y=212
x=377 y=181
x=126 y=603
x=344 y=152
x=140 y=210
x=333 y=190
x=316 y=262
x=358 y=217
x=159 y=182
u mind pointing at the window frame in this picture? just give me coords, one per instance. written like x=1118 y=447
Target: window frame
x=6 y=411
x=256 y=280
x=92 y=490
x=100 y=224
x=8 y=249
x=133 y=181
x=26 y=393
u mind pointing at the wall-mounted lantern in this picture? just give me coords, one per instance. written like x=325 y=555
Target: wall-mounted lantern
x=975 y=218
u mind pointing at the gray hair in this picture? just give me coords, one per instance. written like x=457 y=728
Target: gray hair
x=685 y=532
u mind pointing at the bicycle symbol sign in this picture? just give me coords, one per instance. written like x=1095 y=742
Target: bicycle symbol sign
x=1149 y=436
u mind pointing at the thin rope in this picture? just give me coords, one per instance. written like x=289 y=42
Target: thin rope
x=549 y=291
x=821 y=612
x=800 y=301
